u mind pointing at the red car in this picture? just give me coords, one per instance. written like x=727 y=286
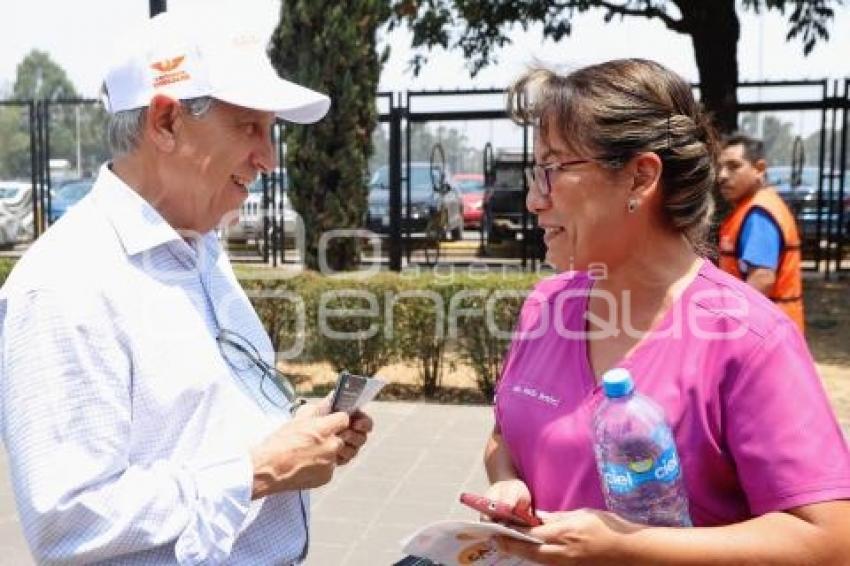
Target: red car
x=471 y=187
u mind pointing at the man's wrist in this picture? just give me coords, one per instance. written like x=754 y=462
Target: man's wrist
x=267 y=474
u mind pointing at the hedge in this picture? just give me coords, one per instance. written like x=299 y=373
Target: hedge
x=365 y=323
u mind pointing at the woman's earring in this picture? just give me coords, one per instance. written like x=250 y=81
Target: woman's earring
x=632 y=204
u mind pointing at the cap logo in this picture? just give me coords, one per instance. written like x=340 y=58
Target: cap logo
x=168 y=65
x=169 y=71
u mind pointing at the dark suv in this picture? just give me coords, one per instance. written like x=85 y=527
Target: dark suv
x=801 y=195
x=504 y=203
x=427 y=206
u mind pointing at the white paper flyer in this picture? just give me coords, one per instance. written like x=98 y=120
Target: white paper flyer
x=463 y=543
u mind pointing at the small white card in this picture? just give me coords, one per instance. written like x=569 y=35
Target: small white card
x=352 y=392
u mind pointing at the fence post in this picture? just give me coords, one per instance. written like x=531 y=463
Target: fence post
x=843 y=188
x=396 y=114
x=34 y=163
x=157 y=6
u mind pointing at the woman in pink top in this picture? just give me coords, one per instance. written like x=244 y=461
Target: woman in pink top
x=624 y=167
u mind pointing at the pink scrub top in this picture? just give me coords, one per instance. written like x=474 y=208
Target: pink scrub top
x=753 y=426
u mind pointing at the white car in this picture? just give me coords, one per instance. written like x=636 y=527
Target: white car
x=249 y=226
x=16 y=218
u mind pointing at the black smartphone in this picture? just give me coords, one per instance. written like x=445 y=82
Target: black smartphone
x=347 y=392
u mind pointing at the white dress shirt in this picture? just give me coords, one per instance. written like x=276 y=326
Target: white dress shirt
x=127 y=431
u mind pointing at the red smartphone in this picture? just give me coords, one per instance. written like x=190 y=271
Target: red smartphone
x=499 y=511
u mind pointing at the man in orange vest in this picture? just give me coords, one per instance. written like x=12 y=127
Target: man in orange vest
x=759 y=241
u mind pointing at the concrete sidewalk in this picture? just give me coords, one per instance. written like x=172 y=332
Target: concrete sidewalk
x=419 y=458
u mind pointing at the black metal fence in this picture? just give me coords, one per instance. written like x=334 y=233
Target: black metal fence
x=812 y=172
x=419 y=131
x=804 y=125
x=809 y=115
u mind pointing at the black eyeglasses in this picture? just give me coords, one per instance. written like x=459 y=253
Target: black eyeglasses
x=242 y=356
x=538 y=175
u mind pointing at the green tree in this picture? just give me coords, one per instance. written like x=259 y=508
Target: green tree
x=460 y=156
x=778 y=136
x=380 y=149
x=40 y=78
x=479 y=28
x=811 y=146
x=37 y=77
x=94 y=146
x=14 y=143
x=331 y=47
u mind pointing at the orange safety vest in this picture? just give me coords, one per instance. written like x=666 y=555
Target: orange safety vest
x=787 y=292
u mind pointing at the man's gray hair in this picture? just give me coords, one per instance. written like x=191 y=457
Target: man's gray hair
x=125 y=127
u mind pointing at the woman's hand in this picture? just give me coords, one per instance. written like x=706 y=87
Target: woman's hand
x=586 y=536
x=512 y=492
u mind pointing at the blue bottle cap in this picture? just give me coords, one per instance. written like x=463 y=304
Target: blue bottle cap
x=617 y=382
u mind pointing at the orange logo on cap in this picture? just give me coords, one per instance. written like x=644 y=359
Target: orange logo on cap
x=168 y=65
x=169 y=73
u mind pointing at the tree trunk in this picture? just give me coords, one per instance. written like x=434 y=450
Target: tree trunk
x=715 y=30
x=331 y=47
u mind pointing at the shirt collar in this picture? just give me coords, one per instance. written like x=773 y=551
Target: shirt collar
x=138 y=225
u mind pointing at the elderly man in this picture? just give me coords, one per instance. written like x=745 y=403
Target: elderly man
x=144 y=419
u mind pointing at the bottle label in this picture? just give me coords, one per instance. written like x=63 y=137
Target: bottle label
x=623 y=478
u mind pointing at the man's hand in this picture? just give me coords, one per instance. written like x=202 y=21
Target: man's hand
x=301 y=453
x=354 y=437
x=586 y=536
x=512 y=492
x=359 y=426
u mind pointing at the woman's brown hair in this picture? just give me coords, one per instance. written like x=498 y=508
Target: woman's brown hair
x=617 y=109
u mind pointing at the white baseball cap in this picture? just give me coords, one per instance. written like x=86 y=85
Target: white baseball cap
x=187 y=55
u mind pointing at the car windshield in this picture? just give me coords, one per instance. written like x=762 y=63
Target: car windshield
x=508 y=177
x=73 y=192
x=256 y=185
x=8 y=192
x=470 y=186
x=781 y=175
x=421 y=184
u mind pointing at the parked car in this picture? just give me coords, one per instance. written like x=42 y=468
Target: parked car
x=249 y=226
x=471 y=187
x=64 y=197
x=426 y=204
x=802 y=198
x=16 y=203
x=504 y=205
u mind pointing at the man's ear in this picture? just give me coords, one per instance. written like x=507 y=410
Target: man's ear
x=646 y=175
x=760 y=165
x=161 y=122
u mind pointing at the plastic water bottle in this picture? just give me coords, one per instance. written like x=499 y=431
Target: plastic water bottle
x=636 y=456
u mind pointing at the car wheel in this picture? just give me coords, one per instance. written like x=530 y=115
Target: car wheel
x=484 y=235
x=490 y=233
x=261 y=241
x=434 y=234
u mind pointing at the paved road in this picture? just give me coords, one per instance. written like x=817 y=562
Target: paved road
x=419 y=458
